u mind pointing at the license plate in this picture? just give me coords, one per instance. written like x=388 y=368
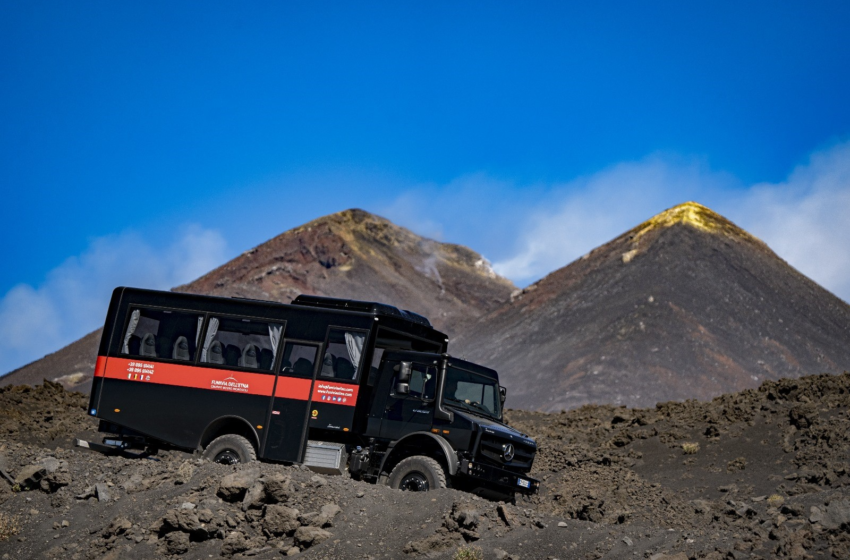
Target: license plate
x=523 y=482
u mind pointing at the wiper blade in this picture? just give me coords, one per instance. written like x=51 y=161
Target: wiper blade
x=483 y=412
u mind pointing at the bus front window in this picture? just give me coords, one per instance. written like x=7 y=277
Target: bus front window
x=473 y=392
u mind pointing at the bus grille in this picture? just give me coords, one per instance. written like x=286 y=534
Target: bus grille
x=491 y=448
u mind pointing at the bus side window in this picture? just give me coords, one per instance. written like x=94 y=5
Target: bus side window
x=162 y=333
x=241 y=343
x=423 y=382
x=342 y=354
x=298 y=360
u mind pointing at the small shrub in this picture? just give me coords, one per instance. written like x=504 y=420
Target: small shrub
x=9 y=526
x=775 y=500
x=468 y=553
x=690 y=448
x=736 y=465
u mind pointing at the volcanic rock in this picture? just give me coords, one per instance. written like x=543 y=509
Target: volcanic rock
x=305 y=537
x=280 y=520
x=233 y=487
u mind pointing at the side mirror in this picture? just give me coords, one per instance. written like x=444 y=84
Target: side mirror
x=404 y=370
x=402 y=389
x=503 y=394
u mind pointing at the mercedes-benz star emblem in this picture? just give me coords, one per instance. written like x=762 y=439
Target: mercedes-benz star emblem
x=508 y=452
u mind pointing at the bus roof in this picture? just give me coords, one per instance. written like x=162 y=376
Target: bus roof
x=372 y=307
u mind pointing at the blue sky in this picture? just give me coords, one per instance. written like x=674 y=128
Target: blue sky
x=145 y=143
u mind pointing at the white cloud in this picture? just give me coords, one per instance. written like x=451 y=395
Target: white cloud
x=806 y=219
x=530 y=231
x=590 y=211
x=72 y=300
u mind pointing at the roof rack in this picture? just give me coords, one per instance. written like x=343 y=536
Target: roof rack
x=380 y=309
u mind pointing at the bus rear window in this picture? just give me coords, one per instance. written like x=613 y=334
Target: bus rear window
x=162 y=333
x=240 y=342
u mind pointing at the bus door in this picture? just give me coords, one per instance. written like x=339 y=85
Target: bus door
x=337 y=385
x=412 y=408
x=289 y=410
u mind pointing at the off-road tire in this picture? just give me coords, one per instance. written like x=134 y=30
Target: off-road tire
x=417 y=474
x=230 y=449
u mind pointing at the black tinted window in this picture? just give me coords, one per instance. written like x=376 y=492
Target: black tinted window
x=423 y=382
x=241 y=342
x=298 y=359
x=342 y=354
x=162 y=333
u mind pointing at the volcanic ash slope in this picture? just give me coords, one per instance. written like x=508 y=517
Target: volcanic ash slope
x=685 y=305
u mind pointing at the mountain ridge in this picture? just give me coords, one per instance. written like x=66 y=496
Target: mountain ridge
x=350 y=254
x=634 y=320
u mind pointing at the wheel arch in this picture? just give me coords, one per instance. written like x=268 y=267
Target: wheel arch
x=421 y=443
x=229 y=425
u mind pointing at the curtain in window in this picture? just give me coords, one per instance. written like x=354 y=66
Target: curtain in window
x=131 y=328
x=274 y=334
x=198 y=332
x=354 y=344
x=212 y=329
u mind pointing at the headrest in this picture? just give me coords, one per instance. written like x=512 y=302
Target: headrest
x=148 y=346
x=181 y=349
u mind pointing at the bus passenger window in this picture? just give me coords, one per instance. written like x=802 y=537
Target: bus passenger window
x=298 y=360
x=342 y=354
x=162 y=333
x=242 y=343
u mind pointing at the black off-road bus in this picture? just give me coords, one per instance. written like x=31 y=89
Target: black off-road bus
x=334 y=384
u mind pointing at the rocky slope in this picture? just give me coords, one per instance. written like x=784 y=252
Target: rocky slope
x=685 y=305
x=351 y=254
x=762 y=473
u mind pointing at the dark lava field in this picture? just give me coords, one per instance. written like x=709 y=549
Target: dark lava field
x=762 y=473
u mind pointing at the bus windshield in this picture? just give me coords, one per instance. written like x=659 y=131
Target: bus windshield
x=473 y=392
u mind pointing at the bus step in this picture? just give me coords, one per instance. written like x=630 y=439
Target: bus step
x=325 y=457
x=106 y=449
x=112 y=446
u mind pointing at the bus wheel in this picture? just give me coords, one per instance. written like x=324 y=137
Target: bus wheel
x=417 y=474
x=230 y=449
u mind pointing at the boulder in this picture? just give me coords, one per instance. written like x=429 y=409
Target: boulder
x=325 y=516
x=254 y=496
x=184 y=520
x=837 y=515
x=177 y=543
x=280 y=520
x=234 y=486
x=277 y=488
x=234 y=543
x=101 y=492
x=305 y=537
x=119 y=526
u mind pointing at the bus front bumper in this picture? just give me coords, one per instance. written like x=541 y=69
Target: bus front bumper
x=502 y=478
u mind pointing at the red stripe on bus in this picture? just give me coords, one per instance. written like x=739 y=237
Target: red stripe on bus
x=100 y=366
x=335 y=393
x=190 y=376
x=196 y=377
x=293 y=388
